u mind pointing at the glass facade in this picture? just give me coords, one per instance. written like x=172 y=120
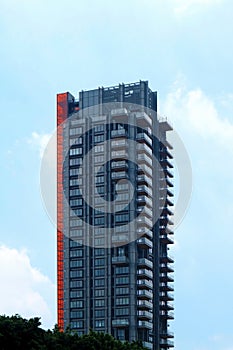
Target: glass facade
x=122 y=287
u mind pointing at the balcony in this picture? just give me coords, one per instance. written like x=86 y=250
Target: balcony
x=145 y=304
x=144 y=200
x=144 y=283
x=142 y=220
x=145 y=315
x=120 y=154
x=145 y=169
x=145 y=324
x=119 y=143
x=118 y=112
x=145 y=273
x=165 y=306
x=144 y=189
x=144 y=149
x=120 y=239
x=143 y=119
x=165 y=163
x=144 y=294
x=147 y=345
x=145 y=211
x=144 y=179
x=166 y=268
x=166 y=335
x=165 y=296
x=144 y=242
x=166 y=259
x=164 y=287
x=164 y=277
x=143 y=158
x=166 y=343
x=119 y=175
x=165 y=240
x=120 y=260
x=143 y=231
x=169 y=315
x=118 y=133
x=120 y=322
x=145 y=263
x=119 y=165
x=141 y=137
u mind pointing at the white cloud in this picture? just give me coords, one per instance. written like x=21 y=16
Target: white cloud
x=25 y=290
x=39 y=141
x=195 y=111
x=184 y=6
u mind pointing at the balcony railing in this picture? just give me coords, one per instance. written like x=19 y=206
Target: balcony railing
x=120 y=260
x=145 y=273
x=145 y=262
x=145 y=304
x=145 y=315
x=145 y=324
x=144 y=137
x=118 y=133
x=120 y=322
x=147 y=345
x=144 y=294
x=144 y=283
x=144 y=242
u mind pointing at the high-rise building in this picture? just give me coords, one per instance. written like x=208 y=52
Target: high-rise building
x=114 y=207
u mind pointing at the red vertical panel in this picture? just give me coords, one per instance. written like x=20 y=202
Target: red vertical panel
x=62 y=114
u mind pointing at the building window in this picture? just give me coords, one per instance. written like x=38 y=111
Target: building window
x=76 y=324
x=76 y=243
x=76 y=212
x=76 y=304
x=99 y=159
x=76 y=131
x=76 y=182
x=76 y=171
x=99 y=148
x=76 y=202
x=76 y=294
x=99 y=179
x=76 y=314
x=100 y=262
x=99 y=272
x=99 y=251
x=99 y=189
x=77 y=141
x=99 y=241
x=99 y=283
x=122 y=269
x=123 y=290
x=99 y=138
x=76 y=263
x=76 y=151
x=99 y=313
x=76 y=222
x=76 y=161
x=76 y=273
x=75 y=192
x=99 y=220
x=76 y=253
x=99 y=323
x=100 y=302
x=122 y=217
x=122 y=312
x=99 y=292
x=122 y=280
x=99 y=128
x=121 y=334
x=76 y=233
x=122 y=301
x=76 y=284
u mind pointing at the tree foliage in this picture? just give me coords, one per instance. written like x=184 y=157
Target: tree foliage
x=21 y=334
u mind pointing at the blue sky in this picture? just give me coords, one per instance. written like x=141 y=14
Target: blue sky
x=184 y=48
